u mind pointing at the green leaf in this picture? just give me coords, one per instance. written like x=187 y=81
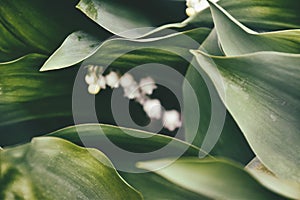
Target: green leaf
x=284 y=187
x=240 y=40
x=216 y=131
x=262 y=15
x=51 y=168
x=73 y=51
x=153 y=186
x=31 y=26
x=130 y=140
x=135 y=16
x=261 y=91
x=217 y=179
x=76 y=47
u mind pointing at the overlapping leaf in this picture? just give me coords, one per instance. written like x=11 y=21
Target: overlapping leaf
x=260 y=15
x=261 y=91
x=216 y=130
x=132 y=141
x=240 y=40
x=68 y=53
x=153 y=186
x=136 y=16
x=216 y=179
x=51 y=168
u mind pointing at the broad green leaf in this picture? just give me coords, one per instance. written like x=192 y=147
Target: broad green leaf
x=69 y=53
x=216 y=179
x=240 y=40
x=287 y=188
x=216 y=131
x=130 y=140
x=261 y=91
x=73 y=50
x=33 y=26
x=153 y=186
x=121 y=16
x=52 y=168
x=260 y=15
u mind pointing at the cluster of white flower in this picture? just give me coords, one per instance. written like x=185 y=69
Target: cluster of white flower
x=133 y=90
x=195 y=6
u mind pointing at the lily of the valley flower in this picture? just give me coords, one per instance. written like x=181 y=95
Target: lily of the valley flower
x=195 y=6
x=152 y=107
x=133 y=90
x=147 y=85
x=127 y=80
x=94 y=88
x=112 y=79
x=94 y=79
x=171 y=120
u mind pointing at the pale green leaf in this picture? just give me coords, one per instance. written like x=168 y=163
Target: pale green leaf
x=284 y=187
x=260 y=15
x=132 y=18
x=216 y=179
x=216 y=131
x=261 y=91
x=76 y=47
x=52 y=168
x=240 y=40
x=153 y=186
x=131 y=140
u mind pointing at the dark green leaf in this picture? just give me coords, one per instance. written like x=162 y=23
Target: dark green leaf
x=33 y=26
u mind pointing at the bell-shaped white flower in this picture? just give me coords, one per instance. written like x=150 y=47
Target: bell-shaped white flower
x=192 y=3
x=94 y=88
x=152 y=107
x=90 y=78
x=190 y=12
x=101 y=82
x=112 y=79
x=171 y=120
x=147 y=85
x=132 y=91
x=127 y=80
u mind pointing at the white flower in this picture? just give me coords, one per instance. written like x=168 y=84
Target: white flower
x=191 y=3
x=94 y=88
x=90 y=78
x=171 y=120
x=147 y=85
x=112 y=79
x=127 y=80
x=132 y=91
x=190 y=12
x=196 y=6
x=152 y=107
x=101 y=82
